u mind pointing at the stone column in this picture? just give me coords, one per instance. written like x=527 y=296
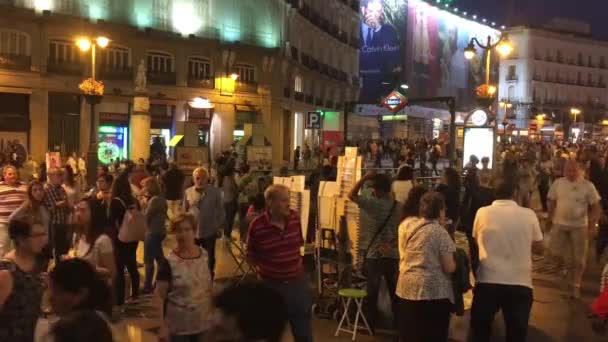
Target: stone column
x=39 y=130
x=139 y=129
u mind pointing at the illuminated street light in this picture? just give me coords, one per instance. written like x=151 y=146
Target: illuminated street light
x=470 y=51
x=103 y=42
x=234 y=76
x=405 y=86
x=84 y=44
x=575 y=112
x=505 y=47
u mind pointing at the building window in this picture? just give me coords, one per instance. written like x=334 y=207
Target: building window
x=590 y=62
x=298 y=84
x=559 y=57
x=159 y=62
x=63 y=51
x=602 y=62
x=14 y=43
x=246 y=73
x=512 y=74
x=589 y=79
x=199 y=68
x=580 y=59
x=116 y=57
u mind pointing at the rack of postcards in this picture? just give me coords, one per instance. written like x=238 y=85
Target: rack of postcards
x=349 y=172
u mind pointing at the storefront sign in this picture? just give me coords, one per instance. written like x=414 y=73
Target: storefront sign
x=313 y=120
x=394 y=101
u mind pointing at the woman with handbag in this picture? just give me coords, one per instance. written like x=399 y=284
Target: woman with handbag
x=424 y=287
x=121 y=204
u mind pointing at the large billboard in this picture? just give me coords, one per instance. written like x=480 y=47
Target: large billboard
x=414 y=42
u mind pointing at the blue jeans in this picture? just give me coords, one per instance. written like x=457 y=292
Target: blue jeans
x=297 y=295
x=153 y=251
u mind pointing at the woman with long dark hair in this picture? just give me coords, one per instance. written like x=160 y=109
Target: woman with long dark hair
x=123 y=200
x=90 y=240
x=33 y=207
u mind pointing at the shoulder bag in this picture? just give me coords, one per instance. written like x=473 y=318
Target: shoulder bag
x=133 y=227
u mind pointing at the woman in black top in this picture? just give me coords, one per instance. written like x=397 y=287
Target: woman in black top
x=449 y=187
x=21 y=283
x=122 y=199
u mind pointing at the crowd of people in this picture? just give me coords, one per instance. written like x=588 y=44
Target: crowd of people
x=78 y=243
x=407 y=233
x=75 y=246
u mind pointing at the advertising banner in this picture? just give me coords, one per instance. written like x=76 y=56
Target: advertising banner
x=416 y=43
x=112 y=143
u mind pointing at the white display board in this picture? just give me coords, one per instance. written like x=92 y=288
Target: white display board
x=326 y=210
x=478 y=141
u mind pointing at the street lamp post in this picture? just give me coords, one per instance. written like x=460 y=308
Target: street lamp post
x=503 y=46
x=92 y=99
x=575 y=112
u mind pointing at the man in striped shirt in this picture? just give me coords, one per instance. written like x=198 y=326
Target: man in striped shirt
x=273 y=247
x=12 y=194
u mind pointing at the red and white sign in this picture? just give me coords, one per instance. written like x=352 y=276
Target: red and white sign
x=394 y=101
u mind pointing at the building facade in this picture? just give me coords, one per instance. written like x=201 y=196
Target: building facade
x=552 y=71
x=289 y=57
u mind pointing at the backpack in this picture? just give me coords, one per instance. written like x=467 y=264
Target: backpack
x=133 y=227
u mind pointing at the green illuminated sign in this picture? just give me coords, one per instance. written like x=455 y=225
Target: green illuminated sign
x=394 y=117
x=107 y=129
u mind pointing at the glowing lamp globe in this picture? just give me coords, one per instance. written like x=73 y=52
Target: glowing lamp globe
x=84 y=44
x=505 y=48
x=470 y=52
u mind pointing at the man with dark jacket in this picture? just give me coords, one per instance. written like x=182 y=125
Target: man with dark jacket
x=173 y=181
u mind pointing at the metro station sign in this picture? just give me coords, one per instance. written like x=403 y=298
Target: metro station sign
x=394 y=101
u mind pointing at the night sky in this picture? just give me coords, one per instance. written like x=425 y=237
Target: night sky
x=533 y=11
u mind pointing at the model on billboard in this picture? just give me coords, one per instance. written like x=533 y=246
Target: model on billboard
x=379 y=56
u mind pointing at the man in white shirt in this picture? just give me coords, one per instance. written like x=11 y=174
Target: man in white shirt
x=574 y=209
x=506 y=234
